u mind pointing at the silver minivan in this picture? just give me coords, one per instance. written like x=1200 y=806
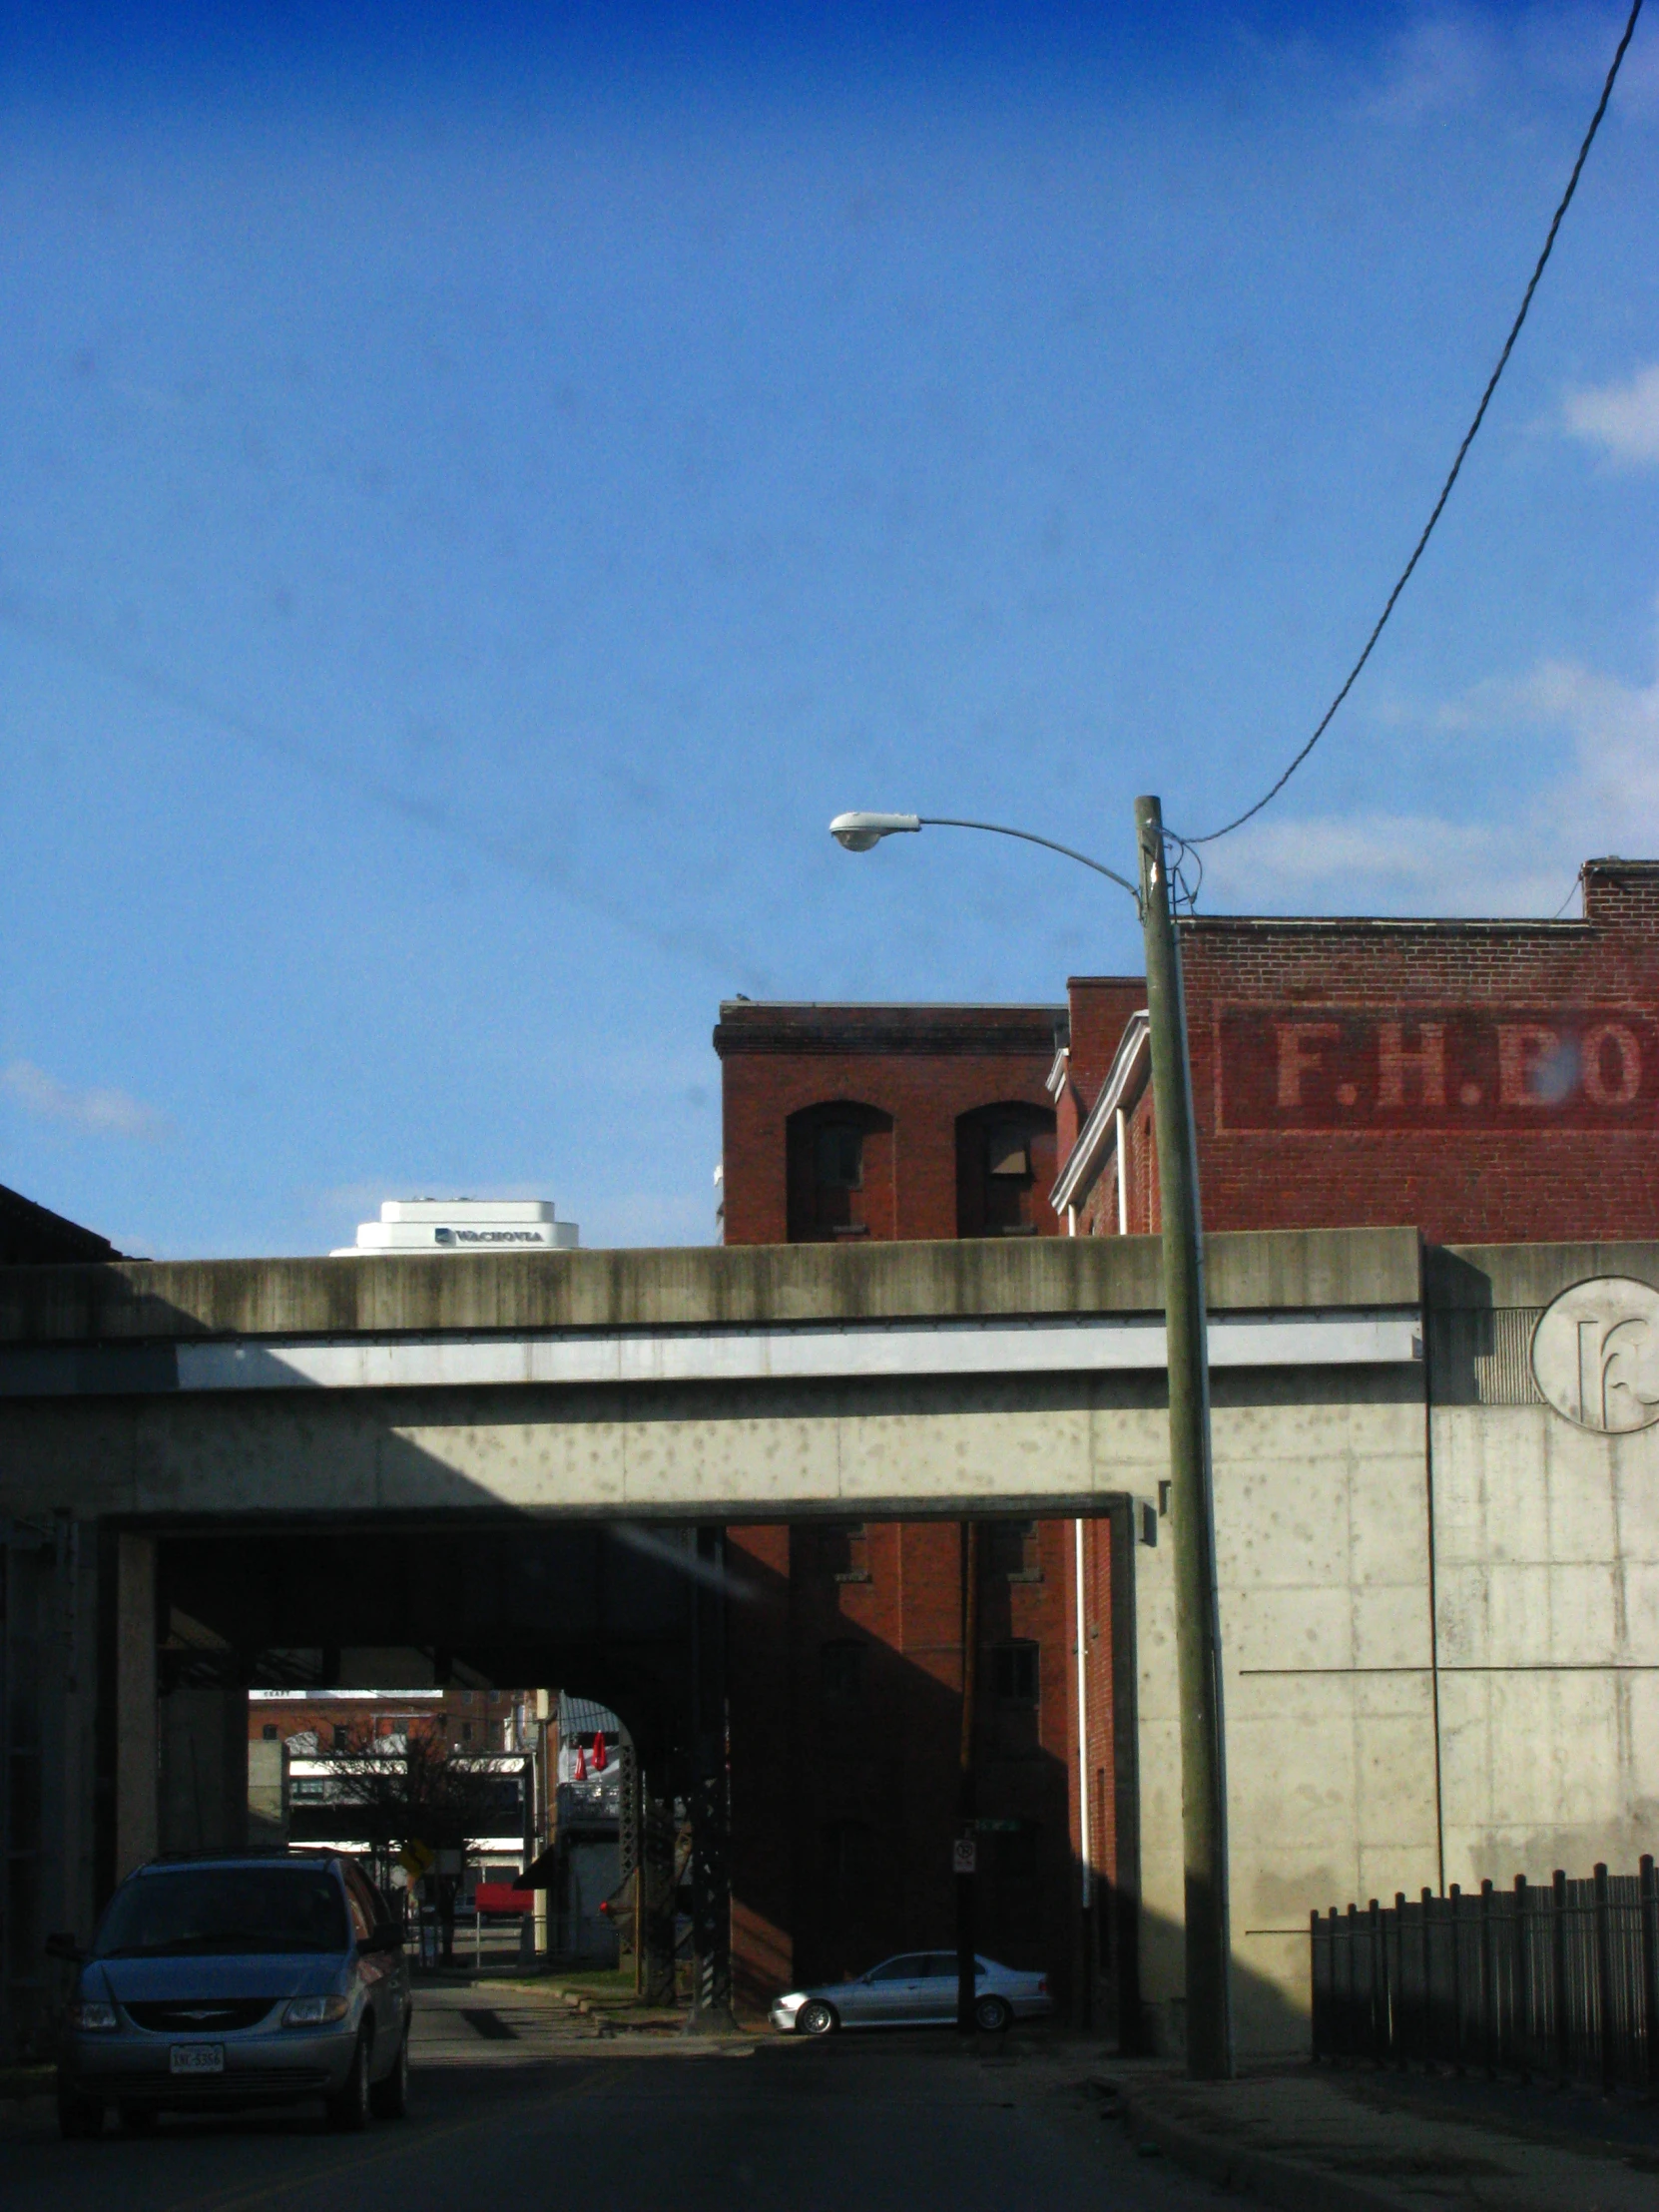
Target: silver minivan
x=258 y=1978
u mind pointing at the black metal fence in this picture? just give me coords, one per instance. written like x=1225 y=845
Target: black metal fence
x=1563 y=1982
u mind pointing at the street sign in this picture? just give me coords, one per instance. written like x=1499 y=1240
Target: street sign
x=416 y=1858
x=999 y=1828
x=964 y=1856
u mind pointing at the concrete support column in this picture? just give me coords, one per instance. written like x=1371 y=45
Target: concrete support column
x=657 y=1887
x=547 y=1797
x=710 y=1817
x=136 y=1752
x=203 y=1794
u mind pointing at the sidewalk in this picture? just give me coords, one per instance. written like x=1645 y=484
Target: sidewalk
x=1309 y=2139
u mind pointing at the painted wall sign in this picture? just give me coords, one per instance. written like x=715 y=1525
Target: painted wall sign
x=1595 y=1355
x=1435 y=1067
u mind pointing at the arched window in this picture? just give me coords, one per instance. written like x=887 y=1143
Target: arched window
x=1004 y=1171
x=840 y=1173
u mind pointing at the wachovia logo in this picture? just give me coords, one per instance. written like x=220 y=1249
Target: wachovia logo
x=486 y=1237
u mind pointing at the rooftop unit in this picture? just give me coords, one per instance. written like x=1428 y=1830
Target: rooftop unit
x=448 y=1225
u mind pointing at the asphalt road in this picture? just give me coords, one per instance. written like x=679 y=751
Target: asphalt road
x=516 y=2107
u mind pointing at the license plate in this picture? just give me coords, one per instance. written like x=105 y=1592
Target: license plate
x=197 y=2058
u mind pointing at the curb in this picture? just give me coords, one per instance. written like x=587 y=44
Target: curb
x=1283 y=2182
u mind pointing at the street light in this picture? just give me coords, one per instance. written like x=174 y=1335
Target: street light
x=1192 y=1497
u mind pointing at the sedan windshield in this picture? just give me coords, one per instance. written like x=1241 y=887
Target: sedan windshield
x=226 y=1910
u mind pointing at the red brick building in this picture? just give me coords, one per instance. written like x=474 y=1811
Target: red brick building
x=848 y=1665
x=1478 y=1080
x=1482 y=1081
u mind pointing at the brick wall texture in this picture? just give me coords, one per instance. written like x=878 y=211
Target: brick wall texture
x=847 y=1654
x=1480 y=1081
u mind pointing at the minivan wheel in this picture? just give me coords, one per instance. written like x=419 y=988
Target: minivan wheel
x=817 y=2018
x=80 y=2118
x=389 y=2099
x=350 y=2111
x=992 y=2015
x=138 y=2120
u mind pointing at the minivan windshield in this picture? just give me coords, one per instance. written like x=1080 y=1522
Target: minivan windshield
x=209 y=1910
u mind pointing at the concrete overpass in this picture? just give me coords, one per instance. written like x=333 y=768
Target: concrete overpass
x=1440 y=1654
x=351 y=1467
x=684 y=1384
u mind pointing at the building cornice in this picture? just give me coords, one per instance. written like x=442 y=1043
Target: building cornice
x=1097 y=1135
x=926 y=1031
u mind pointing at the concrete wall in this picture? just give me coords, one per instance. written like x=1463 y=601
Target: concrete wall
x=1440 y=1608
x=1547 y=1557
x=1322 y=1546
x=156 y=1303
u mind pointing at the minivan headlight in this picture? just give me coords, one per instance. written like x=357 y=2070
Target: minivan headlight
x=101 y=2018
x=316 y=2012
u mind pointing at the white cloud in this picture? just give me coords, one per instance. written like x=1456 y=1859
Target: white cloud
x=1623 y=420
x=102 y=1112
x=1387 y=863
x=1445 y=60
x=1604 y=797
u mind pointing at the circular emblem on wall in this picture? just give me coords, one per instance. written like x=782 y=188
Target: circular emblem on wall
x=1595 y=1355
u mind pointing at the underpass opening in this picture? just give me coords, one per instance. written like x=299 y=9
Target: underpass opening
x=791 y=1696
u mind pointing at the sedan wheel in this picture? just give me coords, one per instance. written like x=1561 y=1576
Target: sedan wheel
x=817 y=2018
x=993 y=2015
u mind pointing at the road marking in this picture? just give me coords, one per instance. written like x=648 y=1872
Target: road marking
x=417 y=2141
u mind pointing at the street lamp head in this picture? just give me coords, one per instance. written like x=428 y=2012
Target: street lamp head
x=857 y=832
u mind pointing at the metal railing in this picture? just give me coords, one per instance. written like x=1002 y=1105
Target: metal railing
x=1560 y=1982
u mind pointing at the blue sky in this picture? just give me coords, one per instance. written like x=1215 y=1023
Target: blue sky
x=483 y=488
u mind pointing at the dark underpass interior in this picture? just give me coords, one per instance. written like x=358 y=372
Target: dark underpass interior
x=806 y=1758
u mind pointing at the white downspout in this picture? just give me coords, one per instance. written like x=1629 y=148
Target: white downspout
x=1083 y=1839
x=1123 y=1187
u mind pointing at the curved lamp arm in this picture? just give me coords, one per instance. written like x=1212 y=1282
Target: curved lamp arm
x=859 y=832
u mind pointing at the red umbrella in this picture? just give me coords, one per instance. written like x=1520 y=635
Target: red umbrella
x=597 y=1751
x=581 y=1765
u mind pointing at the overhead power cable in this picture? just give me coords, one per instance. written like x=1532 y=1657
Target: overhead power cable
x=1239 y=821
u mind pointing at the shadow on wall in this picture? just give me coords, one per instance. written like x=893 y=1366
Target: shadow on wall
x=845 y=1775
x=846 y=1768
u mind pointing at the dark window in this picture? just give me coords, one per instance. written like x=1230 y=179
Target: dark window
x=841 y=1672
x=838 y=1171
x=843 y=1550
x=1012 y=1548
x=466 y=1732
x=270 y=1733
x=1007 y=1151
x=1014 y=1674
x=342 y=1736
x=1004 y=1166
x=839 y=1157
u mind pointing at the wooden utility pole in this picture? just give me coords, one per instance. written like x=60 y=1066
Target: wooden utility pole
x=1191 y=1501
x=966 y=1848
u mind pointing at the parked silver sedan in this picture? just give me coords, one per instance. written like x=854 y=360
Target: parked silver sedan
x=919 y=1988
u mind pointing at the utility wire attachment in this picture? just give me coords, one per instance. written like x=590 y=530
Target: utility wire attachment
x=1239 y=821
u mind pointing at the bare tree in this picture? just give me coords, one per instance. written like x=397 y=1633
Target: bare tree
x=418 y=1793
